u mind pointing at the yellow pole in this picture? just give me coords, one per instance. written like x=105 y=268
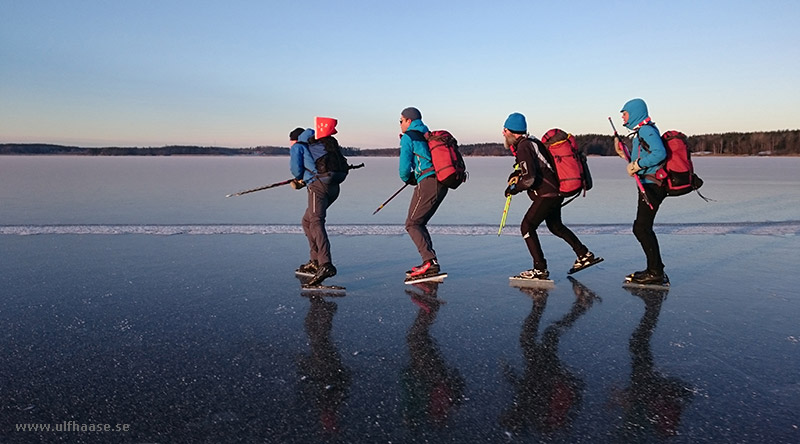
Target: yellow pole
x=505 y=214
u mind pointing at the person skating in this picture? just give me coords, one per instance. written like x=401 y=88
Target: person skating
x=323 y=190
x=416 y=169
x=534 y=173
x=647 y=155
x=299 y=156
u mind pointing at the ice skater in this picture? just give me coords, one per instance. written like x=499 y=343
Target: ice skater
x=647 y=155
x=416 y=169
x=534 y=172
x=316 y=162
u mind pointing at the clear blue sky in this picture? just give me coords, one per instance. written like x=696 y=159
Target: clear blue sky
x=244 y=73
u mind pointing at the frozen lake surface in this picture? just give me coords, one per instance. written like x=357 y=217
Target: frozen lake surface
x=64 y=190
x=134 y=293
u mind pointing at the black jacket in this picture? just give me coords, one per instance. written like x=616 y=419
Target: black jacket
x=536 y=176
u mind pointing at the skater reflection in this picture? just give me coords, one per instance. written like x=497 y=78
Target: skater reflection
x=547 y=395
x=432 y=390
x=653 y=403
x=324 y=380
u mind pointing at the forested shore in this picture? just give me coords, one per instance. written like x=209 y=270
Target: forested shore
x=766 y=143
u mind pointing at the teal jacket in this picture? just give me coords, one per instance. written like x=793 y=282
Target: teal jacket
x=415 y=157
x=651 y=154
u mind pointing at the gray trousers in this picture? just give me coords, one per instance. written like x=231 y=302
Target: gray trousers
x=428 y=195
x=320 y=197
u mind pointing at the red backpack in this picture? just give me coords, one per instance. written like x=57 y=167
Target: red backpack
x=677 y=172
x=450 y=168
x=570 y=163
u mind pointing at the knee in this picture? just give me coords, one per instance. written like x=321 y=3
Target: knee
x=639 y=228
x=415 y=220
x=528 y=227
x=555 y=227
x=315 y=220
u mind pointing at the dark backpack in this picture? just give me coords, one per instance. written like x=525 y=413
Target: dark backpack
x=447 y=161
x=677 y=173
x=328 y=159
x=571 y=166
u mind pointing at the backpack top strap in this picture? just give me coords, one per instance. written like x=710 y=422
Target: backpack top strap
x=416 y=135
x=419 y=137
x=643 y=143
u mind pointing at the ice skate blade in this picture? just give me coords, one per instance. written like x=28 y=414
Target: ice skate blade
x=331 y=290
x=521 y=282
x=596 y=260
x=439 y=277
x=628 y=284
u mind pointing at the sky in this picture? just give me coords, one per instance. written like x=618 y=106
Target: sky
x=245 y=73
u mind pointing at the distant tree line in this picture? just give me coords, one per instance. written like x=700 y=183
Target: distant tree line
x=172 y=150
x=771 y=143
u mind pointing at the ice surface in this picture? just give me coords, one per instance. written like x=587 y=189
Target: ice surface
x=43 y=190
x=134 y=292
x=214 y=334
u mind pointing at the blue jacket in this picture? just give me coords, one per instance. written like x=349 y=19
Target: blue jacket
x=651 y=158
x=301 y=162
x=415 y=156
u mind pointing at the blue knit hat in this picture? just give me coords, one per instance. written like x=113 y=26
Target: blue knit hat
x=516 y=123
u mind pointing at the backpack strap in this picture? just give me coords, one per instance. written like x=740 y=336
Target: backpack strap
x=642 y=143
x=416 y=135
x=573 y=198
x=540 y=155
x=538 y=145
x=420 y=137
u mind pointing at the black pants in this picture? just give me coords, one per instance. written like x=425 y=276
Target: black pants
x=547 y=209
x=643 y=225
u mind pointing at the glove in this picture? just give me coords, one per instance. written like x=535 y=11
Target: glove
x=633 y=167
x=618 y=148
x=412 y=181
x=513 y=178
x=298 y=183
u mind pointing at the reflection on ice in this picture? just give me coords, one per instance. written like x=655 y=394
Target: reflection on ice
x=653 y=403
x=432 y=389
x=324 y=379
x=548 y=394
